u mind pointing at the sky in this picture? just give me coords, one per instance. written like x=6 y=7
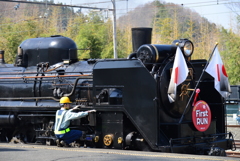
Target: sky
x=216 y=11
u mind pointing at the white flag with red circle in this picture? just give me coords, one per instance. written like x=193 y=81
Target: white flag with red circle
x=217 y=70
x=179 y=75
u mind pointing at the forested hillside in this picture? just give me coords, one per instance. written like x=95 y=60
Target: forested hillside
x=93 y=31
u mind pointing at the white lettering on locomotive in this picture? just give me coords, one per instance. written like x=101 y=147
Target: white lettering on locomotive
x=202 y=121
x=200 y=113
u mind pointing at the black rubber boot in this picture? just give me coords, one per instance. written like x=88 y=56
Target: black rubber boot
x=58 y=143
x=64 y=144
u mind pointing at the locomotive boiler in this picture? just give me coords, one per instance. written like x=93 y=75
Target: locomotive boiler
x=130 y=96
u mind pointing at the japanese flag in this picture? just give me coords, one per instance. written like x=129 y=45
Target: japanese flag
x=217 y=70
x=179 y=75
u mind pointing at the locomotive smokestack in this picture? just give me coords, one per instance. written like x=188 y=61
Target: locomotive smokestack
x=141 y=36
x=2 y=61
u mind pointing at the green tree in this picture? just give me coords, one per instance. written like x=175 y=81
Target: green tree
x=90 y=37
x=123 y=48
x=75 y=24
x=11 y=37
x=164 y=30
x=231 y=55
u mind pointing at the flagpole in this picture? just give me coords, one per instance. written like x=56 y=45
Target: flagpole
x=180 y=121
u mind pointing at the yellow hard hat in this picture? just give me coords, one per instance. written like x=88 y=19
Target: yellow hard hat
x=65 y=100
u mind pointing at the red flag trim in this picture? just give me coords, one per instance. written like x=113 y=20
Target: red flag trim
x=176 y=75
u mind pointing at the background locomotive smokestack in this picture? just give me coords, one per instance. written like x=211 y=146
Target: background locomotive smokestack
x=141 y=36
x=2 y=61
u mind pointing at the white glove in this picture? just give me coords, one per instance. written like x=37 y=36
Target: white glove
x=76 y=107
x=91 y=111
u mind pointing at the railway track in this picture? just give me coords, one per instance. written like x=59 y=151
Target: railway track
x=236 y=153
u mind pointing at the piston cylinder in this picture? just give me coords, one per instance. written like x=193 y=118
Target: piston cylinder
x=7 y=120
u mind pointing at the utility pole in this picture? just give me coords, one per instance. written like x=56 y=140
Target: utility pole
x=114 y=31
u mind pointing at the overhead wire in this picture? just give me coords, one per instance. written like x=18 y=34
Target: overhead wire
x=207 y=2
x=167 y=5
x=197 y=4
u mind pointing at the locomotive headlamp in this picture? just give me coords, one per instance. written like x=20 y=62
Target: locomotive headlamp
x=188 y=48
x=185 y=45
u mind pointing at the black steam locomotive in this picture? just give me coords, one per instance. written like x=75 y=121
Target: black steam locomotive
x=130 y=97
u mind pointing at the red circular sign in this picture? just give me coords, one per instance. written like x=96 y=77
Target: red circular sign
x=201 y=116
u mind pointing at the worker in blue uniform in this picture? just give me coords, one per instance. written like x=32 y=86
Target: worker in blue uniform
x=64 y=134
